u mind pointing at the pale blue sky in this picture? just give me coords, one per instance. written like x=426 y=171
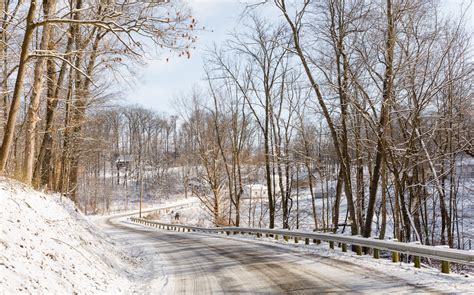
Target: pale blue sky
x=159 y=82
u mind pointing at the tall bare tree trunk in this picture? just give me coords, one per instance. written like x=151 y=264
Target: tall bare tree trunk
x=44 y=165
x=32 y=116
x=16 y=97
x=341 y=148
x=3 y=58
x=384 y=117
x=383 y=204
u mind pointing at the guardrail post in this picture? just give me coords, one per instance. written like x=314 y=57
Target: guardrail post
x=358 y=250
x=445 y=266
x=227 y=232
x=258 y=235
x=276 y=237
x=286 y=238
x=189 y=230
x=306 y=241
x=376 y=253
x=417 y=261
x=296 y=240
x=317 y=242
x=344 y=247
x=266 y=235
x=395 y=255
x=331 y=244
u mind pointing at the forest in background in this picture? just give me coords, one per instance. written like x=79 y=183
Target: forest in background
x=367 y=105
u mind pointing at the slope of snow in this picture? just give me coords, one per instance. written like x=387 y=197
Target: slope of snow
x=47 y=246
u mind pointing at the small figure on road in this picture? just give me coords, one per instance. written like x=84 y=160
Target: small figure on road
x=176 y=216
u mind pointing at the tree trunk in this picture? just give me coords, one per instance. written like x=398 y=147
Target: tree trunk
x=80 y=104
x=16 y=97
x=384 y=117
x=32 y=116
x=341 y=148
x=44 y=166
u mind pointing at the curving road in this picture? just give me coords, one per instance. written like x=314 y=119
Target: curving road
x=196 y=263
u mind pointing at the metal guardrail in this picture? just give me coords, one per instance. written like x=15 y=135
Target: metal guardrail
x=442 y=253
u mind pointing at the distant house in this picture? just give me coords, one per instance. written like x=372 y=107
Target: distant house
x=465 y=168
x=124 y=161
x=255 y=191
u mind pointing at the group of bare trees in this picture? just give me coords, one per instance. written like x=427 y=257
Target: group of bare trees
x=369 y=101
x=361 y=109
x=127 y=149
x=58 y=60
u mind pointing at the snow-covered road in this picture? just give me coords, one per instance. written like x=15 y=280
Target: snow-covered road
x=196 y=263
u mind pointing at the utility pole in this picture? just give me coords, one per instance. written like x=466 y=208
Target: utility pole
x=141 y=189
x=298 y=196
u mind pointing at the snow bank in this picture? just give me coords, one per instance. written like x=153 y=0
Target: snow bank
x=47 y=246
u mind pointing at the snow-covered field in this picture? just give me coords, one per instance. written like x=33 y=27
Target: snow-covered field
x=47 y=247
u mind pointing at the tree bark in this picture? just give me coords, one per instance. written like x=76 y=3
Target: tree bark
x=340 y=148
x=16 y=97
x=384 y=117
x=44 y=165
x=32 y=116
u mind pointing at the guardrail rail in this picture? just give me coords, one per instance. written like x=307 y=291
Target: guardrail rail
x=442 y=253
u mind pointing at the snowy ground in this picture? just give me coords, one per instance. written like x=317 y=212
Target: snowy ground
x=253 y=214
x=47 y=247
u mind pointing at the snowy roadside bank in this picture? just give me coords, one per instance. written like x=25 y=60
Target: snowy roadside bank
x=47 y=246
